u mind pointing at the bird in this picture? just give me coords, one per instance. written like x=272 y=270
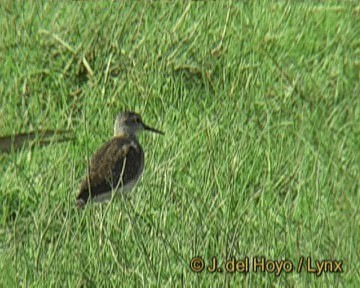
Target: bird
x=118 y=164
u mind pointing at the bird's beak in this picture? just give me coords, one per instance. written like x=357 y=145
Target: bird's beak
x=153 y=129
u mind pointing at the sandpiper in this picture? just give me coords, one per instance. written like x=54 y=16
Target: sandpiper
x=118 y=164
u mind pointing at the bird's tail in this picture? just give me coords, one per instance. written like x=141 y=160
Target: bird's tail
x=82 y=199
x=79 y=203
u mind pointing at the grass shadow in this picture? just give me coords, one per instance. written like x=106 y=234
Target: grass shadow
x=15 y=142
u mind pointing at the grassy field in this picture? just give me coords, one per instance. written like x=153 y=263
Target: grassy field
x=260 y=103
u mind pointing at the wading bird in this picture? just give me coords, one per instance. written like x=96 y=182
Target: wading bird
x=118 y=164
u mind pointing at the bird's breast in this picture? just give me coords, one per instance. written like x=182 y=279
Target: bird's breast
x=133 y=167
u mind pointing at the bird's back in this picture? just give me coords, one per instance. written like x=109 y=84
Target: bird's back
x=116 y=165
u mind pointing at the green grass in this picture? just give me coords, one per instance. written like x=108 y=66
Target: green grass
x=260 y=105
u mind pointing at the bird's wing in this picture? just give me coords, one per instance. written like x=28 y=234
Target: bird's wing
x=114 y=164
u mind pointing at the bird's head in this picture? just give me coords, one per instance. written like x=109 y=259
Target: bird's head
x=131 y=123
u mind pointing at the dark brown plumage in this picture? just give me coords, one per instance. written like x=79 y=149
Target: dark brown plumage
x=118 y=164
